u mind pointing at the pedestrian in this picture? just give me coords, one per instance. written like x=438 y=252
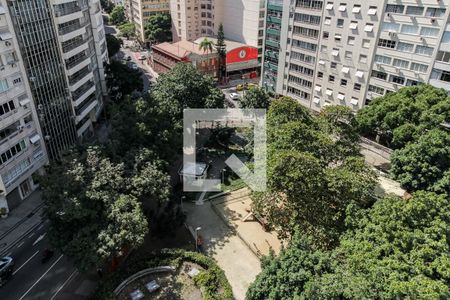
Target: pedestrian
x=200 y=244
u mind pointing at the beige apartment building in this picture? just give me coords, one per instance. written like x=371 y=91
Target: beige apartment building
x=139 y=11
x=243 y=20
x=349 y=52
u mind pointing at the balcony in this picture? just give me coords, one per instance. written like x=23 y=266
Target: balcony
x=80 y=58
x=79 y=75
x=70 y=8
x=275 y=5
x=274 y=44
x=82 y=89
x=275 y=20
x=79 y=24
x=273 y=31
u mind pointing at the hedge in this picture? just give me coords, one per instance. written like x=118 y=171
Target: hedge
x=212 y=281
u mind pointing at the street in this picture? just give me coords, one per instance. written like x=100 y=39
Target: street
x=31 y=278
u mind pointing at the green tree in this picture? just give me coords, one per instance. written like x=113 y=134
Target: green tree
x=206 y=45
x=398 y=118
x=185 y=87
x=95 y=217
x=255 y=98
x=117 y=16
x=221 y=49
x=126 y=79
x=286 y=109
x=425 y=164
x=396 y=250
x=113 y=44
x=128 y=30
x=284 y=277
x=158 y=28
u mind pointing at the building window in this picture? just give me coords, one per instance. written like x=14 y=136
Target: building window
x=11 y=152
x=348 y=55
x=389 y=26
x=409 y=29
x=414 y=10
x=376 y=89
x=324 y=49
x=363 y=59
x=440 y=75
x=331 y=78
x=7 y=107
x=410 y=82
x=383 y=59
x=397 y=79
x=435 y=12
x=424 y=50
x=340 y=23
x=327 y=21
x=344 y=82
x=421 y=68
x=325 y=34
x=320 y=75
x=356 y=9
x=333 y=65
x=429 y=31
x=3 y=85
x=386 y=43
x=351 y=40
x=400 y=63
x=396 y=9
x=405 y=47
x=357 y=87
x=443 y=56
x=337 y=37
x=366 y=43
x=379 y=75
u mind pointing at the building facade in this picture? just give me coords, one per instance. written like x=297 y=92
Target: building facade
x=349 y=52
x=139 y=11
x=22 y=149
x=64 y=56
x=243 y=20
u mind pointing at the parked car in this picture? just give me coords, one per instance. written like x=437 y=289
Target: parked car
x=234 y=96
x=6 y=269
x=239 y=88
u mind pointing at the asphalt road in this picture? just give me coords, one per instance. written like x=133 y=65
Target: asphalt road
x=32 y=279
x=230 y=102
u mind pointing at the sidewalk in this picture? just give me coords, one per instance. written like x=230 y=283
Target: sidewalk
x=221 y=243
x=20 y=220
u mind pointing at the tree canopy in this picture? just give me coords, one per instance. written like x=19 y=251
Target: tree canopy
x=95 y=217
x=127 y=30
x=117 y=16
x=425 y=164
x=107 y=5
x=158 y=28
x=311 y=171
x=185 y=87
x=113 y=44
x=255 y=98
x=401 y=117
x=123 y=77
x=396 y=249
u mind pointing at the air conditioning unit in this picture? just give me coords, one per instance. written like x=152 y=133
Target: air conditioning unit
x=20 y=127
x=392 y=34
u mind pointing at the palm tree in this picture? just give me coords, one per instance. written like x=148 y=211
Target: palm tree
x=207 y=46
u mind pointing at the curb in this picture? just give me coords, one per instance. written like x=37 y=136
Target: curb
x=140 y=274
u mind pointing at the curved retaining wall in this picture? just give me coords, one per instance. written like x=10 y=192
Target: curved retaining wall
x=140 y=274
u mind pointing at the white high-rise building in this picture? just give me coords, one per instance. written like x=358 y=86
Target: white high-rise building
x=22 y=149
x=348 y=52
x=52 y=85
x=243 y=20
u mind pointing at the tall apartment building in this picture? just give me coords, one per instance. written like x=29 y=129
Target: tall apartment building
x=243 y=20
x=139 y=11
x=22 y=149
x=348 y=52
x=63 y=46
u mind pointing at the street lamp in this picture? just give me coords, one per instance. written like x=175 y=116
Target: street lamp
x=196 y=237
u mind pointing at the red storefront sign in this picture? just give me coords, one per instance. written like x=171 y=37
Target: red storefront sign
x=242 y=54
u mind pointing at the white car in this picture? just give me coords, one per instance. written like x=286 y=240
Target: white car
x=134 y=67
x=234 y=96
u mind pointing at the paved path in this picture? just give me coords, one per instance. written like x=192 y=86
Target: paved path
x=239 y=263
